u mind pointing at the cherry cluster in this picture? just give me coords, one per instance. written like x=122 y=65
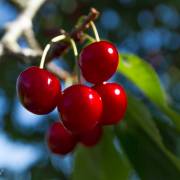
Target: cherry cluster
x=83 y=110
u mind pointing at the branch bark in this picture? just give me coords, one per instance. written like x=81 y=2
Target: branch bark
x=15 y=29
x=76 y=34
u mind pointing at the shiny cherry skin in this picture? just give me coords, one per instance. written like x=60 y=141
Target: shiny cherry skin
x=114 y=102
x=60 y=140
x=38 y=90
x=80 y=108
x=92 y=137
x=98 y=61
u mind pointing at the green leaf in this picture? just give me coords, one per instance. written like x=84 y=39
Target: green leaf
x=102 y=162
x=144 y=147
x=169 y=135
x=175 y=117
x=145 y=78
x=142 y=118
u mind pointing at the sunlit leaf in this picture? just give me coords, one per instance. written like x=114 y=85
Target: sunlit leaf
x=145 y=78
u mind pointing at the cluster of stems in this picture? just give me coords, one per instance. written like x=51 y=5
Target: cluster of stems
x=64 y=37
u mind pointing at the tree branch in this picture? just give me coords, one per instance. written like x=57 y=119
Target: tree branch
x=76 y=34
x=15 y=29
x=23 y=22
x=23 y=26
x=93 y=14
x=31 y=39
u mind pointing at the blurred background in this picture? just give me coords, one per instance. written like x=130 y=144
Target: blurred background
x=148 y=29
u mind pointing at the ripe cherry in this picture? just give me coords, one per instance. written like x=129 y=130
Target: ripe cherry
x=60 y=140
x=92 y=137
x=80 y=108
x=98 y=61
x=38 y=90
x=114 y=102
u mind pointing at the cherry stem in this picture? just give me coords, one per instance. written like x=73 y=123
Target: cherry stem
x=74 y=47
x=88 y=37
x=46 y=49
x=48 y=46
x=58 y=38
x=95 y=31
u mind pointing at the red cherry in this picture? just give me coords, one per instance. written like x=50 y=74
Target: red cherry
x=92 y=137
x=60 y=140
x=114 y=102
x=98 y=61
x=38 y=90
x=80 y=108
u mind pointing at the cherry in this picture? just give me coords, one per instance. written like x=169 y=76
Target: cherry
x=92 y=137
x=114 y=102
x=38 y=90
x=98 y=61
x=80 y=108
x=60 y=140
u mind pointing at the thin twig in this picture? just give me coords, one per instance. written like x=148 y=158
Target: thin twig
x=76 y=34
x=58 y=71
x=93 y=14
